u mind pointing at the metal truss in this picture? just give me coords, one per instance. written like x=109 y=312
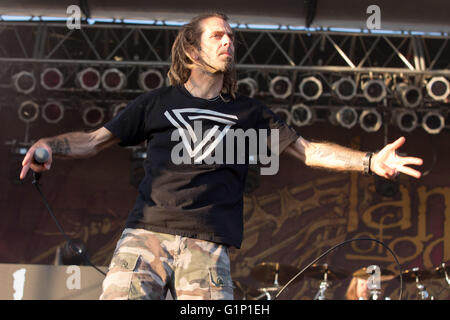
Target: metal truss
x=261 y=54
x=257 y=49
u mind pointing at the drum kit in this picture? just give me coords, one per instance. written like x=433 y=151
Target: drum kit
x=273 y=276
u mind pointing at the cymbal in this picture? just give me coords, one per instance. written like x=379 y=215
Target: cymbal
x=411 y=274
x=385 y=275
x=269 y=289
x=266 y=272
x=318 y=271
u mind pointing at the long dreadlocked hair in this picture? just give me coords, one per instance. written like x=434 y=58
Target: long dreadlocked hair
x=182 y=62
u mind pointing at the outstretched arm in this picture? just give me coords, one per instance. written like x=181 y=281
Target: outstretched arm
x=385 y=163
x=71 y=145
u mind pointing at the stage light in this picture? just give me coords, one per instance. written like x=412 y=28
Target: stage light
x=370 y=120
x=89 y=79
x=406 y=120
x=345 y=88
x=409 y=95
x=310 y=88
x=113 y=79
x=51 y=78
x=150 y=80
x=283 y=114
x=247 y=87
x=374 y=90
x=280 y=87
x=438 y=88
x=53 y=112
x=28 y=111
x=24 y=82
x=117 y=108
x=93 y=116
x=302 y=115
x=346 y=117
x=433 y=122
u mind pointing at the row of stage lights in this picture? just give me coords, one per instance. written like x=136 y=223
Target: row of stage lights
x=89 y=79
x=374 y=90
x=299 y=115
x=53 y=112
x=310 y=88
x=369 y=119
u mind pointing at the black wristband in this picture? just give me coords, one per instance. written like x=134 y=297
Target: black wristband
x=366 y=163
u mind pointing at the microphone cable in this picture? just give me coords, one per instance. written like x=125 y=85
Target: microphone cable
x=79 y=251
x=337 y=246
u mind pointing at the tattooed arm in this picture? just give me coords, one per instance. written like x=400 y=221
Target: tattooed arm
x=385 y=163
x=327 y=155
x=71 y=145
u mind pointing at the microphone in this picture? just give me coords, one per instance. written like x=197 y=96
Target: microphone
x=41 y=155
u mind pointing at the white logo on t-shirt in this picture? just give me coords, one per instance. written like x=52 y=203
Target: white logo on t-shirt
x=180 y=122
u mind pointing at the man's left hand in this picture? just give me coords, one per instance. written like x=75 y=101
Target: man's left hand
x=388 y=164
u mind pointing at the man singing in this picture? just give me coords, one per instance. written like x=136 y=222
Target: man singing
x=187 y=214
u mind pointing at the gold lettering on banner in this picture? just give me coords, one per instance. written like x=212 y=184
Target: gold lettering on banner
x=268 y=214
x=408 y=248
x=403 y=204
x=424 y=195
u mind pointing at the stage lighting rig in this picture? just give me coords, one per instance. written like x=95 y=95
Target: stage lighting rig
x=344 y=88
x=370 y=120
x=433 y=122
x=28 y=111
x=438 y=88
x=150 y=80
x=53 y=112
x=346 y=117
x=280 y=87
x=409 y=95
x=89 y=79
x=406 y=120
x=247 y=87
x=51 y=78
x=310 y=88
x=374 y=90
x=284 y=114
x=24 y=82
x=302 y=115
x=113 y=79
x=93 y=116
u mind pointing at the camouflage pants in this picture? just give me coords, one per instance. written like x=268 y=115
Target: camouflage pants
x=146 y=264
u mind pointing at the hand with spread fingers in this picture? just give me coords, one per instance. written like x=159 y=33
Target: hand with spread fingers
x=388 y=164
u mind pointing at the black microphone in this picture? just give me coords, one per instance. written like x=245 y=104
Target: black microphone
x=41 y=155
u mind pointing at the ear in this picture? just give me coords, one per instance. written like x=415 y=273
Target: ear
x=193 y=53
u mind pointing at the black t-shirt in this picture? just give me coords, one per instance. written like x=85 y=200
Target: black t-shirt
x=202 y=199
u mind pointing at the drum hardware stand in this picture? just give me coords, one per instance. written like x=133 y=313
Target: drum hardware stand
x=373 y=283
x=423 y=293
x=374 y=293
x=324 y=285
x=447 y=278
x=264 y=294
